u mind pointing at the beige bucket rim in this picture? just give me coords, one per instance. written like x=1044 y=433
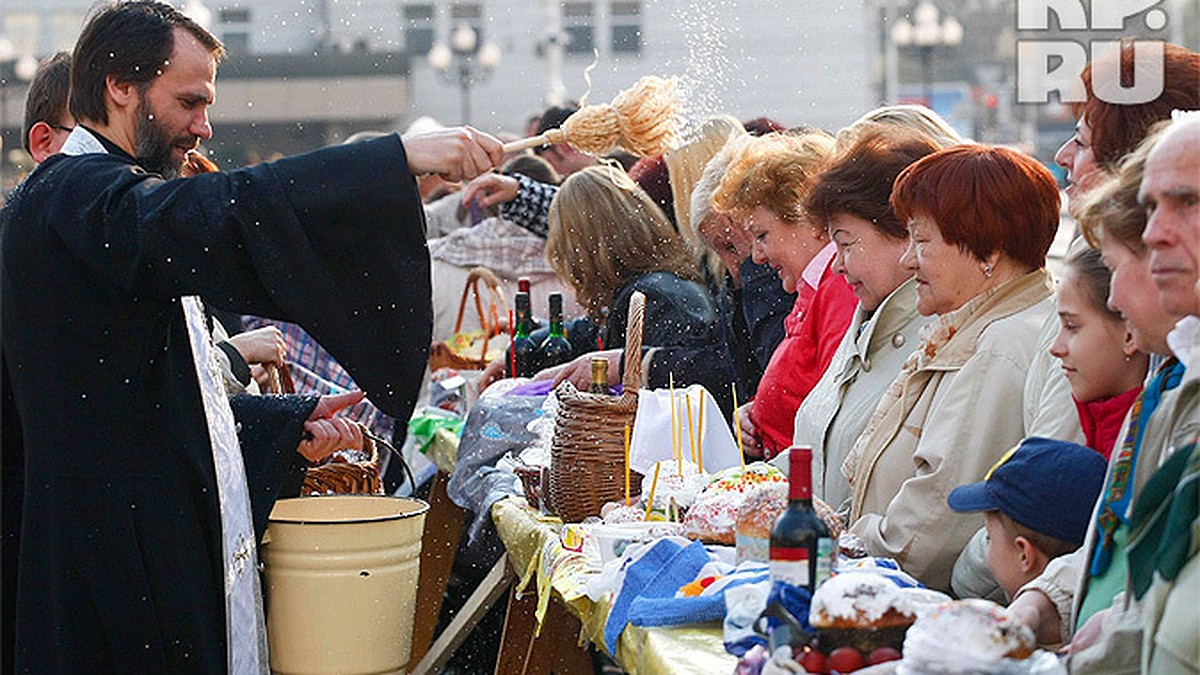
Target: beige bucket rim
x=417 y=507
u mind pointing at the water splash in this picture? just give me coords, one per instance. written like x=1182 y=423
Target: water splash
x=707 y=26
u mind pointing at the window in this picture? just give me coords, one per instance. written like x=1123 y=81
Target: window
x=234 y=15
x=236 y=43
x=577 y=24
x=470 y=12
x=418 y=28
x=627 y=27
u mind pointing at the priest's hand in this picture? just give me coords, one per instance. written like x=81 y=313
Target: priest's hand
x=324 y=434
x=456 y=154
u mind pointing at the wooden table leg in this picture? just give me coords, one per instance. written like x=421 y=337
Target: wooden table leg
x=495 y=584
x=443 y=528
x=556 y=650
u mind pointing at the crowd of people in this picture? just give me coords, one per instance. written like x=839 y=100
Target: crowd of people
x=878 y=292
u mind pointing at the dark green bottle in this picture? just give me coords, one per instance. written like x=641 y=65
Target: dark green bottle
x=555 y=349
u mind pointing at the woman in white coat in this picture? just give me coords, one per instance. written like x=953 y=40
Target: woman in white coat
x=980 y=221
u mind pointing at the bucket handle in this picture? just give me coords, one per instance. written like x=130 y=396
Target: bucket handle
x=395 y=455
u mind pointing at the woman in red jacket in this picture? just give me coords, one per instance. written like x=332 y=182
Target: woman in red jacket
x=764 y=189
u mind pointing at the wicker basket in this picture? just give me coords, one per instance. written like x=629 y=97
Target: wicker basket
x=587 y=454
x=340 y=476
x=468 y=351
x=341 y=473
x=531 y=483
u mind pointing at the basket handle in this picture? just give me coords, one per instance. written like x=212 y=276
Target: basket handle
x=489 y=321
x=633 y=342
x=279 y=379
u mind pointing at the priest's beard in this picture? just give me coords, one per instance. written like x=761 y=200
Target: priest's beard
x=153 y=145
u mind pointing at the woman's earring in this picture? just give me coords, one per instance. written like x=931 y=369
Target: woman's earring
x=987 y=271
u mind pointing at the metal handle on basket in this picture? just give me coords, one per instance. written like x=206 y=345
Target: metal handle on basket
x=633 y=343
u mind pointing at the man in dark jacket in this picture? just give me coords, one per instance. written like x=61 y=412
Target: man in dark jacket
x=137 y=549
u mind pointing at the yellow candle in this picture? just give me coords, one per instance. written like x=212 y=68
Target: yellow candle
x=691 y=429
x=737 y=423
x=627 y=465
x=653 y=487
x=676 y=453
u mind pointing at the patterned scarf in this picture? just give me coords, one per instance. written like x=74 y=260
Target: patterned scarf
x=1118 y=493
x=1161 y=525
x=934 y=336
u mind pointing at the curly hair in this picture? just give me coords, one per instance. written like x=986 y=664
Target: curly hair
x=772 y=172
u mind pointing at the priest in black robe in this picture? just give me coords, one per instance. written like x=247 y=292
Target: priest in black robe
x=127 y=561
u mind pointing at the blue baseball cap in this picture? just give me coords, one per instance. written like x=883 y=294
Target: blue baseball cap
x=1046 y=485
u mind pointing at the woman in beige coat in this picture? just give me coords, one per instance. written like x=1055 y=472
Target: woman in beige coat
x=980 y=221
x=850 y=198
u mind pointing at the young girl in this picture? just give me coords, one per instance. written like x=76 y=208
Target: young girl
x=1102 y=363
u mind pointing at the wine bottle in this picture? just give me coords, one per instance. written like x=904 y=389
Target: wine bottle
x=523 y=285
x=555 y=349
x=599 y=375
x=524 y=348
x=801 y=548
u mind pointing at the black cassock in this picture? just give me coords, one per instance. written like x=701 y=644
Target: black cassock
x=121 y=559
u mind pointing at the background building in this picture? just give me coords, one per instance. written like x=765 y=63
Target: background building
x=305 y=73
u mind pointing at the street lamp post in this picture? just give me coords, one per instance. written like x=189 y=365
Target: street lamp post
x=13 y=67
x=926 y=32
x=470 y=65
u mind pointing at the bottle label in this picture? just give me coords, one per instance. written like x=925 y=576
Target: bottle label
x=824 y=559
x=789 y=565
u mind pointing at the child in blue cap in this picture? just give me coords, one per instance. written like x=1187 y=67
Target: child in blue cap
x=1037 y=501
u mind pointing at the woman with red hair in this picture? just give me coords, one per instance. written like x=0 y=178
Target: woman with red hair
x=1106 y=132
x=980 y=220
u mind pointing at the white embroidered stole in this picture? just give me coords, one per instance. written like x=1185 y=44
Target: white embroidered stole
x=245 y=628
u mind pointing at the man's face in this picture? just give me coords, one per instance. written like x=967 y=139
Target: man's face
x=172 y=113
x=1170 y=191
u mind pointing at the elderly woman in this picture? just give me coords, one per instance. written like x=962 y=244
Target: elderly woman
x=980 y=221
x=764 y=189
x=851 y=198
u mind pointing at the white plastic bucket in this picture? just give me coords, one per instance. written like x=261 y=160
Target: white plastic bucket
x=341 y=574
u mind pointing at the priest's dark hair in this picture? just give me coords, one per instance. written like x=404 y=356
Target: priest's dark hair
x=128 y=41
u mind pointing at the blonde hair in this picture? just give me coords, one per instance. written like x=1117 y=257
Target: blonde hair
x=1111 y=208
x=605 y=231
x=913 y=117
x=685 y=165
x=772 y=172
